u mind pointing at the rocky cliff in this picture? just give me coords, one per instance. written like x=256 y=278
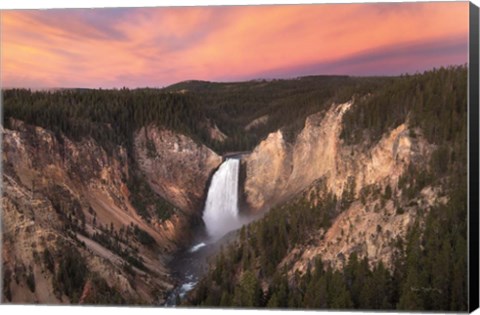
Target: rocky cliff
x=175 y=166
x=277 y=171
x=287 y=168
x=69 y=201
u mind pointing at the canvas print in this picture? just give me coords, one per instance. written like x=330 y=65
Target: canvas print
x=262 y=156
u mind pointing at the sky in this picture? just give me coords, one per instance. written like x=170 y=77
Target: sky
x=155 y=47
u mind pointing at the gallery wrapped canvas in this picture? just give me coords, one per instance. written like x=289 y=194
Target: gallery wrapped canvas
x=304 y=156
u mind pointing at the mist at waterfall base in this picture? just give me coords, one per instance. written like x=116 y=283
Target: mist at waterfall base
x=221 y=216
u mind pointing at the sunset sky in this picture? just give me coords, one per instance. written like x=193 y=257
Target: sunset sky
x=156 y=47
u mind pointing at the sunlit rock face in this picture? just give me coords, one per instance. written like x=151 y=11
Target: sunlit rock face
x=52 y=183
x=175 y=166
x=277 y=170
x=268 y=168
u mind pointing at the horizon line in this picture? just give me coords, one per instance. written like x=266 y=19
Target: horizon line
x=260 y=79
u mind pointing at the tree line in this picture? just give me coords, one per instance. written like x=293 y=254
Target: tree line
x=192 y=108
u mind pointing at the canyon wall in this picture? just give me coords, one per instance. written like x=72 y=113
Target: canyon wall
x=277 y=171
x=60 y=194
x=176 y=167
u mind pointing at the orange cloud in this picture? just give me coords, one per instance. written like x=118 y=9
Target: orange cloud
x=159 y=46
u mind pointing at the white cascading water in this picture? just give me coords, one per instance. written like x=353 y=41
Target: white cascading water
x=221 y=208
x=220 y=217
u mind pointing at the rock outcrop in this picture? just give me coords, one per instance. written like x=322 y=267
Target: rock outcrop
x=216 y=134
x=175 y=166
x=257 y=122
x=268 y=169
x=277 y=170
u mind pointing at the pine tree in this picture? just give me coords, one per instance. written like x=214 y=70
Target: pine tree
x=248 y=292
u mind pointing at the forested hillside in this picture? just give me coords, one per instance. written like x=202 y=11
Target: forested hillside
x=285 y=103
x=108 y=116
x=429 y=266
x=191 y=108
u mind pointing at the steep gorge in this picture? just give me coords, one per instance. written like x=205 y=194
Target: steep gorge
x=60 y=193
x=95 y=212
x=57 y=172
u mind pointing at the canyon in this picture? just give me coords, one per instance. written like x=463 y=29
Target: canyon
x=58 y=193
x=44 y=174
x=258 y=193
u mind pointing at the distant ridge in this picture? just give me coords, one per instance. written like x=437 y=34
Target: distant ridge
x=197 y=85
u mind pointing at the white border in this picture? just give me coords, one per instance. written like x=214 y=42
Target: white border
x=81 y=310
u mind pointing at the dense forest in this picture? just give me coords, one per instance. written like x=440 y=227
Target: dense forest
x=286 y=103
x=429 y=269
x=108 y=116
x=423 y=100
x=112 y=116
x=191 y=108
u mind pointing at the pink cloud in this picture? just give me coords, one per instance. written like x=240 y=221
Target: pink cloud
x=156 y=47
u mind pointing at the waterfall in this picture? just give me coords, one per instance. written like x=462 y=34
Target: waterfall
x=220 y=216
x=221 y=208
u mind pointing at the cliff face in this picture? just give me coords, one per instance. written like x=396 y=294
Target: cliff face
x=268 y=169
x=60 y=194
x=277 y=171
x=175 y=166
